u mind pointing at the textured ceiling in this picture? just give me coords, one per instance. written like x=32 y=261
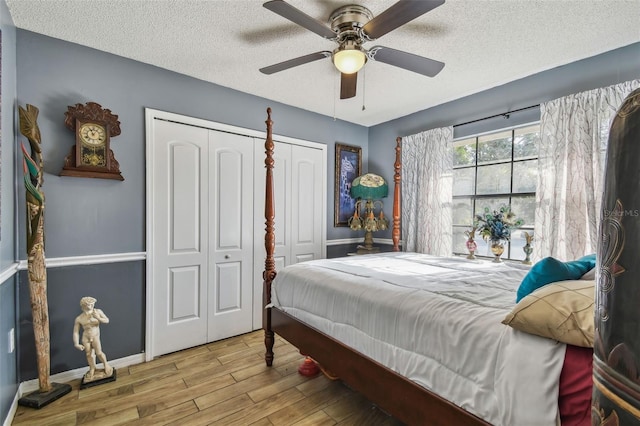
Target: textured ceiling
x=484 y=43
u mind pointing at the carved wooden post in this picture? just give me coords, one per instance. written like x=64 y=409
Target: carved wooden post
x=36 y=269
x=269 y=242
x=395 y=232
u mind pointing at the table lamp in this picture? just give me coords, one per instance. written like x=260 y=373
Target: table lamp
x=368 y=189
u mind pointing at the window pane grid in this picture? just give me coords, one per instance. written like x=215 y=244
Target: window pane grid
x=490 y=171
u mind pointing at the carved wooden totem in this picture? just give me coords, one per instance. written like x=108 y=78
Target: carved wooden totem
x=616 y=363
x=33 y=170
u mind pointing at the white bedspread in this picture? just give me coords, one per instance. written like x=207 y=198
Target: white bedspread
x=436 y=321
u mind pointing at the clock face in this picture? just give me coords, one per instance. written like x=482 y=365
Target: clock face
x=93 y=134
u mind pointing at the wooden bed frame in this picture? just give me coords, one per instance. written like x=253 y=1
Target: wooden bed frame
x=402 y=398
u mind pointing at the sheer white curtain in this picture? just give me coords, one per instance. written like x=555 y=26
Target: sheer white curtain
x=573 y=139
x=427 y=192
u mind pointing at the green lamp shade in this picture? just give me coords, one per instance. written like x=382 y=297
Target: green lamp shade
x=369 y=187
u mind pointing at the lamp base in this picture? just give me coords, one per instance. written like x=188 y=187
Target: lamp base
x=367 y=250
x=368 y=245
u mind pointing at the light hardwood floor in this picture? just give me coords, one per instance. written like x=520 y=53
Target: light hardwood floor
x=222 y=383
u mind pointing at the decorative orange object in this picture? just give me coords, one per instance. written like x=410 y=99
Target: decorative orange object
x=308 y=368
x=328 y=374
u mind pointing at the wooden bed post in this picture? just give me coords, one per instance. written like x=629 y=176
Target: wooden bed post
x=269 y=243
x=395 y=232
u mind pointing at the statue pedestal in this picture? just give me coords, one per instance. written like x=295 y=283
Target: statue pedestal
x=39 y=399
x=99 y=379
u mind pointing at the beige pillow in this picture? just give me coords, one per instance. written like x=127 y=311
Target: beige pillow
x=561 y=311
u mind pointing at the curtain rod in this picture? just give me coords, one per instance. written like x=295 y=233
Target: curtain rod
x=504 y=114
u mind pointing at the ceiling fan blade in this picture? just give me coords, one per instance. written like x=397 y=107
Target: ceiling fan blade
x=408 y=61
x=398 y=14
x=289 y=12
x=348 y=83
x=295 y=62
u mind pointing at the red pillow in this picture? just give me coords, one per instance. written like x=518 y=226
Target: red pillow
x=576 y=384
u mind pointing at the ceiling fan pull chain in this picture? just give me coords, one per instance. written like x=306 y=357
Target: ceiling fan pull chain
x=364 y=87
x=335 y=97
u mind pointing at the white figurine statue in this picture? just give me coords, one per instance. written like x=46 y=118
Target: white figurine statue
x=90 y=320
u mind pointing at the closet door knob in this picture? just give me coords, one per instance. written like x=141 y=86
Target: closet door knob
x=226 y=256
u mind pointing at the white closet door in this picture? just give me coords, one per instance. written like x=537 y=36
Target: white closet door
x=206 y=225
x=230 y=235
x=180 y=237
x=307 y=204
x=282 y=197
x=300 y=204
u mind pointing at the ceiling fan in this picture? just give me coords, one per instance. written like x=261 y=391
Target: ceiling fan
x=351 y=26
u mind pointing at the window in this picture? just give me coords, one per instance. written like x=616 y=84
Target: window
x=492 y=170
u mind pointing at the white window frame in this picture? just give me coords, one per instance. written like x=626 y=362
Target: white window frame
x=482 y=251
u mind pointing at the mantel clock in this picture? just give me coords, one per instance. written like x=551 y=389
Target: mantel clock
x=91 y=155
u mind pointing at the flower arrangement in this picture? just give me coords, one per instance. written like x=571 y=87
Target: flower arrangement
x=497 y=225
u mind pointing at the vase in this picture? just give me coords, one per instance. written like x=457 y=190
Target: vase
x=527 y=251
x=497 y=248
x=471 y=246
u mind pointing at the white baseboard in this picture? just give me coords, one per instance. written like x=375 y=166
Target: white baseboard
x=64 y=377
x=12 y=410
x=67 y=376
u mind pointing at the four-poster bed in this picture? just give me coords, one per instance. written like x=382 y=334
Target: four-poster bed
x=381 y=385
x=397 y=384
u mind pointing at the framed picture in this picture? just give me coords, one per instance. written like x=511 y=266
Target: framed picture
x=348 y=167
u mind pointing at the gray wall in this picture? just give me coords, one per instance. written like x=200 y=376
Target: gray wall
x=7 y=137
x=8 y=362
x=599 y=71
x=95 y=216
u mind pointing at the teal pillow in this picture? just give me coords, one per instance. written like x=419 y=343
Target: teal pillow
x=550 y=270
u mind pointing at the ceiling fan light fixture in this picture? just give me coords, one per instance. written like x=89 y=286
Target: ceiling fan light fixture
x=349 y=58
